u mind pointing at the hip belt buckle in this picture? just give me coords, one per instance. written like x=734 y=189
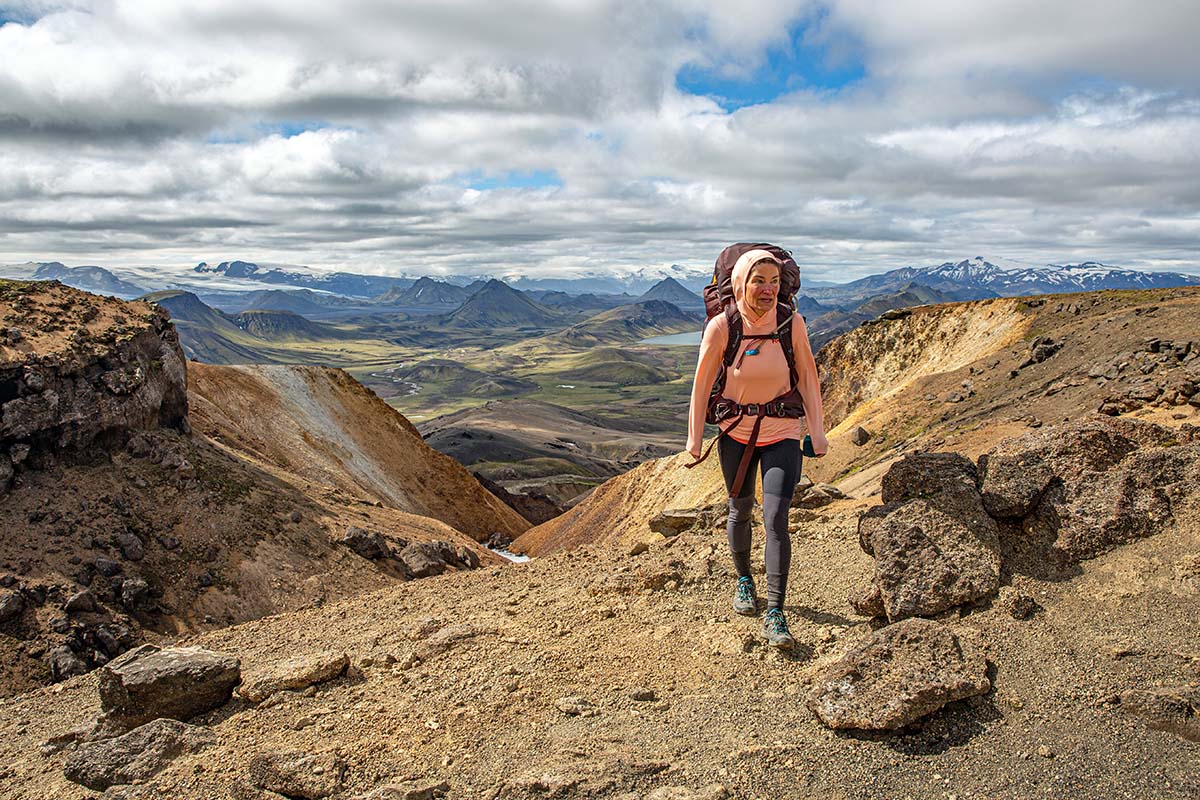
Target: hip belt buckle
x=753 y=409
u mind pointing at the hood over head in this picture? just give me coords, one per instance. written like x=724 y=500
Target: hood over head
x=740 y=277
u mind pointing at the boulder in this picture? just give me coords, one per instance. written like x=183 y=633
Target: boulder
x=298 y=774
x=135 y=593
x=294 y=674
x=368 y=544
x=934 y=545
x=1079 y=490
x=897 y=675
x=860 y=435
x=423 y=559
x=135 y=756
x=175 y=682
x=1175 y=710
x=80 y=602
x=816 y=496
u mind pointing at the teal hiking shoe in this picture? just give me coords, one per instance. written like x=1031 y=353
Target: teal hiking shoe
x=776 y=630
x=744 y=599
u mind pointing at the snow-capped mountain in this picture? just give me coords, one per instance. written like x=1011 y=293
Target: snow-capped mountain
x=977 y=278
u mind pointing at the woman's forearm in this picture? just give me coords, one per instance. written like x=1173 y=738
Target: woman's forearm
x=707 y=366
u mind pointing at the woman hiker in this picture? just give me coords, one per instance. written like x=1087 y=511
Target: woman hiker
x=758 y=377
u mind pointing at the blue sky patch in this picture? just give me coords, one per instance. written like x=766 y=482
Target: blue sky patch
x=797 y=65
x=261 y=130
x=513 y=179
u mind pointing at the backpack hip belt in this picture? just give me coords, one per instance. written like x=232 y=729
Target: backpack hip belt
x=790 y=404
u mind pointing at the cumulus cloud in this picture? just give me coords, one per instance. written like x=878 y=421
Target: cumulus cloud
x=382 y=137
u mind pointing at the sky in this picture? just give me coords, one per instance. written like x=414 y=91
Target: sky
x=584 y=136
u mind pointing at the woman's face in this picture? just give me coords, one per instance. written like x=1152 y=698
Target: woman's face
x=762 y=287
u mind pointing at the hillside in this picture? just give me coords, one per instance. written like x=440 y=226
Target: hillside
x=672 y=291
x=283 y=326
x=626 y=324
x=947 y=377
x=613 y=365
x=426 y=292
x=145 y=511
x=497 y=305
x=441 y=377
x=207 y=334
x=322 y=424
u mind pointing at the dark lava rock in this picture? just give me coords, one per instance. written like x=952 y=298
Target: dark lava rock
x=860 y=435
x=80 y=602
x=135 y=593
x=106 y=566
x=897 y=675
x=934 y=545
x=65 y=664
x=368 y=544
x=11 y=605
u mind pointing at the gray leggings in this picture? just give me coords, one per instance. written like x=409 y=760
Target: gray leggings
x=781 y=463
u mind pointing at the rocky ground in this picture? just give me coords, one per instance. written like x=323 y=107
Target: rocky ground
x=524 y=682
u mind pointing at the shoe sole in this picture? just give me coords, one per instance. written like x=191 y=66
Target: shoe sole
x=782 y=645
x=746 y=612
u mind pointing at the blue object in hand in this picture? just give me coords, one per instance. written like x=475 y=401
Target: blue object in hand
x=808 y=447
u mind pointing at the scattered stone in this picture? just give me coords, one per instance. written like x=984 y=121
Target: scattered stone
x=1044 y=751
x=897 y=675
x=294 y=674
x=135 y=756
x=819 y=495
x=1041 y=348
x=176 y=682
x=675 y=521
x=639 y=547
x=297 y=774
x=860 y=435
x=575 y=706
x=11 y=605
x=368 y=544
x=295 y=517
x=65 y=664
x=1018 y=604
x=135 y=593
x=80 y=602
x=642 y=694
x=1175 y=710
x=106 y=566
x=131 y=546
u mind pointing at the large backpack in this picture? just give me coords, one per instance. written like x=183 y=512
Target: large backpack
x=719 y=299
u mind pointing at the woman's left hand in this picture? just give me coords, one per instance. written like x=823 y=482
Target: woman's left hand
x=820 y=444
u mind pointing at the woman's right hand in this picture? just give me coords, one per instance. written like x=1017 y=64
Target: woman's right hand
x=695 y=450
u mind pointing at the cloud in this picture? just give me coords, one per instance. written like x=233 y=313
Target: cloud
x=514 y=135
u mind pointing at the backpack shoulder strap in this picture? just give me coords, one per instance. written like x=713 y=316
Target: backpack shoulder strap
x=785 y=341
x=734 y=320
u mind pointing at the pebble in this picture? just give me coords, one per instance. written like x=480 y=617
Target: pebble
x=1045 y=752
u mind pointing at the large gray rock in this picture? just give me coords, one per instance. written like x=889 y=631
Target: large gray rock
x=293 y=674
x=65 y=664
x=135 y=756
x=934 y=545
x=176 y=682
x=1079 y=490
x=298 y=774
x=897 y=675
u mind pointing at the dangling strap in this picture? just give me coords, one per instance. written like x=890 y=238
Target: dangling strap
x=708 y=449
x=744 y=464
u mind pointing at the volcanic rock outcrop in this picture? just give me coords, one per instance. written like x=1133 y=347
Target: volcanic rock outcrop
x=76 y=370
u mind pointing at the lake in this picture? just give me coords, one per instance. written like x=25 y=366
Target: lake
x=691 y=338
